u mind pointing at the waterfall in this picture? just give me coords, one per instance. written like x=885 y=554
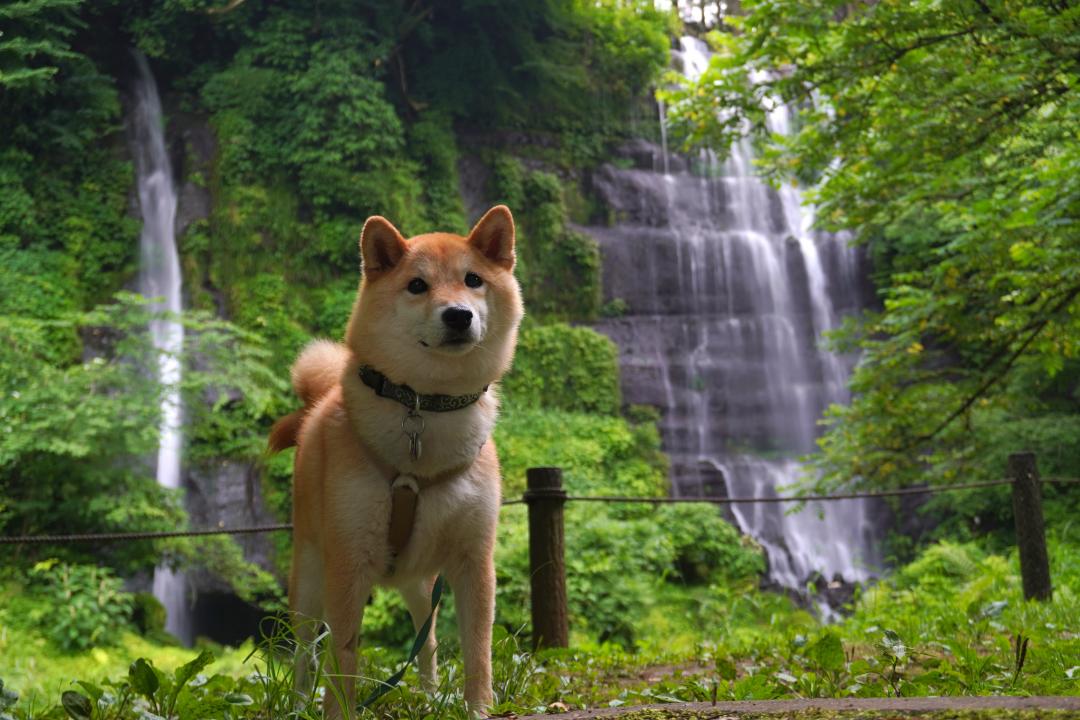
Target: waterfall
x=728 y=289
x=159 y=277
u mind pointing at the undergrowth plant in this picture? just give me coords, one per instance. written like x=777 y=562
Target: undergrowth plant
x=85 y=604
x=952 y=623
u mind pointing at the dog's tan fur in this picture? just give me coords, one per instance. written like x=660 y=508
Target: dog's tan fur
x=348 y=437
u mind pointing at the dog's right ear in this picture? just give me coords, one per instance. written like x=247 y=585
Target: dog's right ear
x=381 y=246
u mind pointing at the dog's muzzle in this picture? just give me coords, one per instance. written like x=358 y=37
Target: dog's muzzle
x=458 y=323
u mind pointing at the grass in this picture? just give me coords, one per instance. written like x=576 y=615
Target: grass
x=41 y=672
x=952 y=623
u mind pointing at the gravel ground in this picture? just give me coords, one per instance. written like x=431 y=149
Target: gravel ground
x=941 y=708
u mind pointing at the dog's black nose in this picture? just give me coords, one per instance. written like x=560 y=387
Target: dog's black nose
x=457 y=318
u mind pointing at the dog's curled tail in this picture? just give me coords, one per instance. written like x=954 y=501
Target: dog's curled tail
x=318 y=369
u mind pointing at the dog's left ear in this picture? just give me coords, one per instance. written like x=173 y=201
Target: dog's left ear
x=493 y=236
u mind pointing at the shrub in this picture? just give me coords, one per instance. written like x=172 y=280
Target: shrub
x=148 y=615
x=620 y=557
x=86 y=605
x=565 y=368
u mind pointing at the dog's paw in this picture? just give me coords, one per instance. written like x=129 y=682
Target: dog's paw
x=478 y=710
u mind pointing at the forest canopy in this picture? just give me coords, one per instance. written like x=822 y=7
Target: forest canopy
x=943 y=137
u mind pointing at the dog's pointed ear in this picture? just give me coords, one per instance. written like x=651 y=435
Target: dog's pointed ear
x=493 y=236
x=381 y=246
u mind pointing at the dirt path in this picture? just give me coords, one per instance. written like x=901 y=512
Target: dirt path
x=981 y=707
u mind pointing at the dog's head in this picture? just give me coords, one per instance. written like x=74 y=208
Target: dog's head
x=438 y=311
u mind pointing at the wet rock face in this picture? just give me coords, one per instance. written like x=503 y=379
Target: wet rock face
x=723 y=314
x=727 y=290
x=227 y=494
x=194 y=150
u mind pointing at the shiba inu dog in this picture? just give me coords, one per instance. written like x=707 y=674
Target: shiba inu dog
x=397 y=421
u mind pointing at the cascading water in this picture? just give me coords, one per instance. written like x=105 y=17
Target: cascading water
x=159 y=277
x=727 y=290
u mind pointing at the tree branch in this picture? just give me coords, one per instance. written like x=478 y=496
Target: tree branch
x=991 y=381
x=228 y=7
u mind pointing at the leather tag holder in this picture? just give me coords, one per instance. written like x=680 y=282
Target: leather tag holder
x=404 y=494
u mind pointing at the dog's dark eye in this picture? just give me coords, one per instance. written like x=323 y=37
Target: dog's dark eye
x=473 y=280
x=417 y=286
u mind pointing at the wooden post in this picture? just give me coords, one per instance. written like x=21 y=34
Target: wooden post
x=1030 y=528
x=545 y=497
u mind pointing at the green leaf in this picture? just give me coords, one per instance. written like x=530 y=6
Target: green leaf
x=185 y=672
x=828 y=652
x=235 y=698
x=893 y=645
x=92 y=690
x=143 y=679
x=77 y=705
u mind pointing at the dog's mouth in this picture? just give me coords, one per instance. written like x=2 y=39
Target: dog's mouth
x=455 y=343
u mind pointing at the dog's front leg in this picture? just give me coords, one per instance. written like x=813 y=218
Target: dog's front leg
x=345 y=596
x=473 y=582
x=306 y=606
x=418 y=598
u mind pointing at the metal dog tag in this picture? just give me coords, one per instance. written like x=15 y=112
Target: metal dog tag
x=413 y=425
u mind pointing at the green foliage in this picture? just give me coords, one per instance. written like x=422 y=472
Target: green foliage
x=559 y=268
x=65 y=237
x=79 y=425
x=35 y=43
x=564 y=368
x=161 y=691
x=222 y=557
x=85 y=604
x=565 y=66
x=432 y=145
x=148 y=615
x=342 y=147
x=624 y=557
x=950 y=624
x=84 y=426
x=599 y=454
x=939 y=136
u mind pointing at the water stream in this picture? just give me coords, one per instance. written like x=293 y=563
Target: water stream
x=159 y=277
x=728 y=289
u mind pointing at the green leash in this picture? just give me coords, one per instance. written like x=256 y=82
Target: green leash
x=391 y=682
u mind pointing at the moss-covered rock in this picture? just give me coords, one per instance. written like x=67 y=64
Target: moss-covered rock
x=558 y=267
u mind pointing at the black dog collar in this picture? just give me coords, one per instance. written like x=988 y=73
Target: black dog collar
x=412 y=399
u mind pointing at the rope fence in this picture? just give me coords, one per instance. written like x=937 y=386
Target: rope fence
x=128 y=536
x=899 y=492
x=545 y=497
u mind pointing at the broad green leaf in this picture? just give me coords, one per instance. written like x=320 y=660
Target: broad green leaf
x=144 y=680
x=187 y=671
x=828 y=652
x=76 y=705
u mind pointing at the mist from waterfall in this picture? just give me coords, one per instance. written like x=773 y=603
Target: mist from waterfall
x=728 y=291
x=159 y=278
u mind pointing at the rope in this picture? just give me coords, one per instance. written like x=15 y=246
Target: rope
x=128 y=536
x=391 y=682
x=125 y=536
x=801 y=498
